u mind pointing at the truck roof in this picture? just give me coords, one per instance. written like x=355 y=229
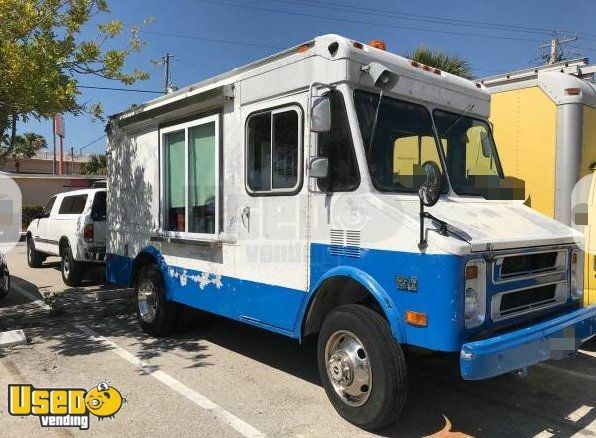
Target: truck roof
x=331 y=47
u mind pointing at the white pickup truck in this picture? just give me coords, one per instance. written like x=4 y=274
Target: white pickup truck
x=73 y=227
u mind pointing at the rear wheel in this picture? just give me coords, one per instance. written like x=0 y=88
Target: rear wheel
x=156 y=315
x=71 y=269
x=362 y=368
x=34 y=258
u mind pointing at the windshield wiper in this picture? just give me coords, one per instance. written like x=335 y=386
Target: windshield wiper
x=468 y=109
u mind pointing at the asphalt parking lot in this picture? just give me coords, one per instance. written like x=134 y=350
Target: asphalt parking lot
x=219 y=378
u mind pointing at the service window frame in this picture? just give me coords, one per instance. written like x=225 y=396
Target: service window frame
x=163 y=201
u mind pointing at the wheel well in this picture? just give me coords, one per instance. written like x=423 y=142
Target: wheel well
x=29 y=235
x=142 y=260
x=335 y=292
x=63 y=245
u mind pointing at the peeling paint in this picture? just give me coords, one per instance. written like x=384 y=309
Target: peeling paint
x=203 y=279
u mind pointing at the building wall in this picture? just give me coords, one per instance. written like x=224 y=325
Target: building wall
x=525 y=129
x=37 y=191
x=41 y=165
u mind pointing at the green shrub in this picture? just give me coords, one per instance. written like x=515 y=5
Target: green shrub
x=30 y=212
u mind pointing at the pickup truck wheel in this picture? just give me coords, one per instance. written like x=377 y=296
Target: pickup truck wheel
x=4 y=286
x=71 y=270
x=156 y=315
x=34 y=258
x=362 y=368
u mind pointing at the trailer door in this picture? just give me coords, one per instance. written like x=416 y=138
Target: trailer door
x=274 y=216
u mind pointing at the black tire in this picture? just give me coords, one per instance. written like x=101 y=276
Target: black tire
x=6 y=288
x=161 y=322
x=384 y=399
x=34 y=258
x=70 y=268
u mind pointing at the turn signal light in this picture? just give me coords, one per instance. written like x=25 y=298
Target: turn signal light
x=418 y=319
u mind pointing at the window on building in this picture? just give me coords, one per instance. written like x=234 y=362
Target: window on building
x=190 y=177
x=338 y=147
x=73 y=204
x=274 y=154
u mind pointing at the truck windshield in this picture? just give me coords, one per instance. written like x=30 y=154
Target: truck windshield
x=402 y=141
x=470 y=153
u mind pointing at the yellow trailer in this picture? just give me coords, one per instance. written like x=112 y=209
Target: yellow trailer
x=544 y=120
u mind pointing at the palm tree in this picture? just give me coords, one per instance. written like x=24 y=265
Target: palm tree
x=449 y=63
x=25 y=146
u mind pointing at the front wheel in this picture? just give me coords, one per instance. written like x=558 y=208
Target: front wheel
x=362 y=368
x=34 y=258
x=155 y=313
x=4 y=286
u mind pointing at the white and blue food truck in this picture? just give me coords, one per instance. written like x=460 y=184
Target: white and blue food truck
x=339 y=190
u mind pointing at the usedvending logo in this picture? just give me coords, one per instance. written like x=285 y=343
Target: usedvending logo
x=64 y=407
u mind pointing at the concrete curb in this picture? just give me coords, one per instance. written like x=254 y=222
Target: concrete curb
x=12 y=338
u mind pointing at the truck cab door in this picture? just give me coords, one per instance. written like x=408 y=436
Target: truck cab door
x=590 y=253
x=273 y=206
x=40 y=233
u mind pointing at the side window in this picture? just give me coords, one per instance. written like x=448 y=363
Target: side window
x=273 y=151
x=73 y=204
x=338 y=147
x=190 y=166
x=48 y=208
x=98 y=209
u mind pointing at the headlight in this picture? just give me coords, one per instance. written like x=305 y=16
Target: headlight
x=475 y=293
x=577 y=275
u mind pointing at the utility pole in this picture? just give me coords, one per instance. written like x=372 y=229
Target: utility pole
x=555 y=53
x=165 y=60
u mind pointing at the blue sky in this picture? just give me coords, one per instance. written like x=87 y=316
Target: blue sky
x=463 y=27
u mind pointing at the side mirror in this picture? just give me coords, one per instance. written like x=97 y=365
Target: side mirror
x=430 y=191
x=320 y=115
x=318 y=167
x=487 y=149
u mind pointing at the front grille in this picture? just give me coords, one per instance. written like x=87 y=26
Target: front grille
x=519 y=301
x=528 y=263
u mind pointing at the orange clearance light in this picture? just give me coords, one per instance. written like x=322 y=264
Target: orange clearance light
x=303 y=48
x=418 y=319
x=358 y=45
x=378 y=44
x=573 y=91
x=425 y=68
x=471 y=272
x=437 y=71
x=414 y=64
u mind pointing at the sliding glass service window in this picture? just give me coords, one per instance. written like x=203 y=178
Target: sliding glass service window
x=190 y=177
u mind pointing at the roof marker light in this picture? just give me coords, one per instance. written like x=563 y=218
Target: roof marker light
x=303 y=48
x=414 y=64
x=358 y=45
x=573 y=91
x=378 y=44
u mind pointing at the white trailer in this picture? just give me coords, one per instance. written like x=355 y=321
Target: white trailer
x=338 y=190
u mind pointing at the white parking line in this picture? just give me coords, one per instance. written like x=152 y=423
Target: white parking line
x=579 y=413
x=239 y=425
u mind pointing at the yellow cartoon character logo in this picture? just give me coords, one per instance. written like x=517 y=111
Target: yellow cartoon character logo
x=103 y=401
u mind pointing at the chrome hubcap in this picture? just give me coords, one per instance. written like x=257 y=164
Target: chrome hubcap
x=147 y=301
x=348 y=368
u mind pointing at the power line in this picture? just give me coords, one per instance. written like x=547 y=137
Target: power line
x=352 y=21
x=92 y=143
x=212 y=40
x=424 y=18
x=132 y=90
